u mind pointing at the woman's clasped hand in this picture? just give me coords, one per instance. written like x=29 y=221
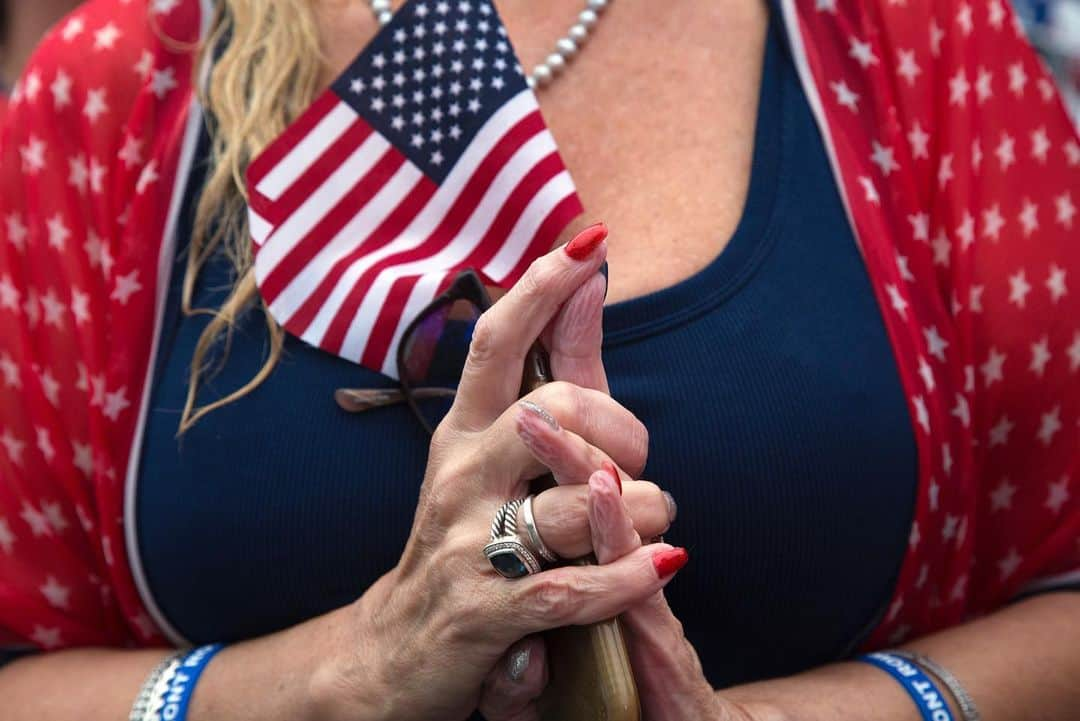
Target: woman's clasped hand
x=420 y=643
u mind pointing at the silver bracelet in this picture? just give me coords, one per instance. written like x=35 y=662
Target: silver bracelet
x=152 y=694
x=963 y=698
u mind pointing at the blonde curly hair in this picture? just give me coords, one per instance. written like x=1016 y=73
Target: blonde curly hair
x=267 y=70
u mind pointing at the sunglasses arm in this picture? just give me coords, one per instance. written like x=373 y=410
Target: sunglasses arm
x=358 y=400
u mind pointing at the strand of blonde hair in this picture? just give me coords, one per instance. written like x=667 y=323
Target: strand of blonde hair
x=266 y=73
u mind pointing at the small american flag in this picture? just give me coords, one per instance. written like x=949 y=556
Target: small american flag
x=427 y=156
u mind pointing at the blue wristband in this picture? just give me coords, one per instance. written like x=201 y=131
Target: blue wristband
x=182 y=684
x=923 y=691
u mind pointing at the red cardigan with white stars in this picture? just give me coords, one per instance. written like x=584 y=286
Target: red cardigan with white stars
x=958 y=165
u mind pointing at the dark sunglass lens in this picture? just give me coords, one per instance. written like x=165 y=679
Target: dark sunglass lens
x=434 y=355
x=422 y=343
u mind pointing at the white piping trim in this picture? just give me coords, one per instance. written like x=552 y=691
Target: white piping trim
x=1042 y=584
x=806 y=77
x=165 y=261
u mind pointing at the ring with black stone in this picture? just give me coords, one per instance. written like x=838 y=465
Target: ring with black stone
x=506 y=550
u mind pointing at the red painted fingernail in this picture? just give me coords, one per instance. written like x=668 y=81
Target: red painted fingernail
x=670 y=561
x=610 y=468
x=585 y=242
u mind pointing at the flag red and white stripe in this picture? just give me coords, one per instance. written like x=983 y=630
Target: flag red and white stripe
x=352 y=239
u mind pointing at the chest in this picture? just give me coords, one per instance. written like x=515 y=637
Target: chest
x=654 y=118
x=767 y=382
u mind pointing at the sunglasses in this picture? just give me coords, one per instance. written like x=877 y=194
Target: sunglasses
x=431 y=355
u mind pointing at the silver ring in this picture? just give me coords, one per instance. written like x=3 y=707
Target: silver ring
x=534 y=533
x=506 y=551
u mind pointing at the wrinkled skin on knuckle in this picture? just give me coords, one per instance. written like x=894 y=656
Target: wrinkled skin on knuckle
x=444 y=440
x=460 y=463
x=438 y=506
x=564 y=518
x=435 y=625
x=534 y=284
x=658 y=506
x=463 y=551
x=638 y=435
x=555 y=598
x=491 y=614
x=564 y=401
x=445 y=509
x=469 y=610
x=449 y=605
x=501 y=602
x=483 y=347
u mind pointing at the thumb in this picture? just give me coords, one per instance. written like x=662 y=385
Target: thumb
x=574 y=337
x=515 y=682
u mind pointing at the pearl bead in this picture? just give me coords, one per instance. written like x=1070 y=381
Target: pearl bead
x=578 y=33
x=565 y=47
x=542 y=75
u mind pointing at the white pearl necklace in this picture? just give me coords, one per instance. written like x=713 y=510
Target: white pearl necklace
x=565 y=47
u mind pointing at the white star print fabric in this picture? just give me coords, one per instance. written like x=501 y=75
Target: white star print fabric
x=958 y=165
x=960 y=170
x=90 y=142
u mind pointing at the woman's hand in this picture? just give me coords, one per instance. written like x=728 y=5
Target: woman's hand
x=666 y=666
x=669 y=678
x=421 y=640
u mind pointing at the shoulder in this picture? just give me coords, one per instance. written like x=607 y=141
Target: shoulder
x=90 y=72
x=101 y=36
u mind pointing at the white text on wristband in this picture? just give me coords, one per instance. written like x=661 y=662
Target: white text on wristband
x=920 y=688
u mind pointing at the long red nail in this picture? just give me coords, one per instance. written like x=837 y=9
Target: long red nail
x=670 y=561
x=585 y=242
x=610 y=468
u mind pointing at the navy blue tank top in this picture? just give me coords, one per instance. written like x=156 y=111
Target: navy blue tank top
x=766 y=380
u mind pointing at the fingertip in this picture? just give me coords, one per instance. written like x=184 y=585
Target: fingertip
x=585 y=243
x=668 y=561
x=603 y=483
x=613 y=472
x=518 y=663
x=603 y=516
x=595 y=500
x=540 y=412
x=516 y=681
x=537 y=430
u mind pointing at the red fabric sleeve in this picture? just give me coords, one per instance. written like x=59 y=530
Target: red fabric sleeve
x=960 y=168
x=1013 y=286
x=89 y=128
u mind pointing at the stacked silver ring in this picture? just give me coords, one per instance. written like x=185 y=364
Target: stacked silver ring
x=506 y=551
x=534 y=533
